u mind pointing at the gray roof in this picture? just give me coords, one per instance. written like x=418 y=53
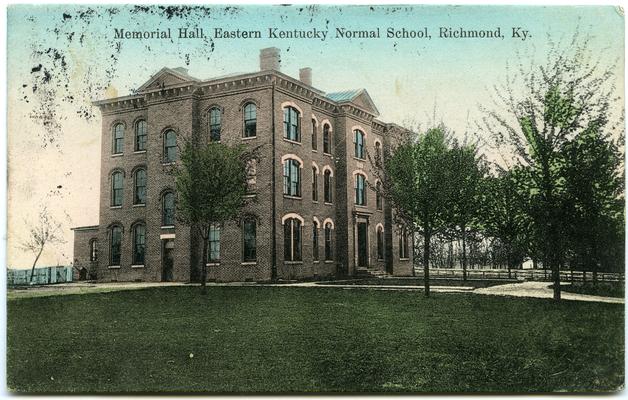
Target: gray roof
x=345 y=95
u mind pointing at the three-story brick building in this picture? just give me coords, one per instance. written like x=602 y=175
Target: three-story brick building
x=315 y=214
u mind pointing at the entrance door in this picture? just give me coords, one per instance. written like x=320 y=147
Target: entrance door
x=167 y=260
x=362 y=245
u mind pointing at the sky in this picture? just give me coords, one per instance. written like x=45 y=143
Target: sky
x=60 y=58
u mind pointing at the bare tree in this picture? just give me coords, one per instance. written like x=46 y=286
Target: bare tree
x=45 y=231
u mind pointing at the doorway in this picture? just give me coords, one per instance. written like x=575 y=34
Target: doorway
x=362 y=244
x=167 y=260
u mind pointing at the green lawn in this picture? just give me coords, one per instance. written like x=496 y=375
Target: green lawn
x=256 y=339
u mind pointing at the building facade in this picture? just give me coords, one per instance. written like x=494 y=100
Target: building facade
x=316 y=212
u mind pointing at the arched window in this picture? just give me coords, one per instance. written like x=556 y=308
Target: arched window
x=249 y=239
x=378 y=153
x=140 y=186
x=167 y=209
x=213 y=244
x=140 y=135
x=170 y=146
x=314 y=184
x=93 y=250
x=329 y=254
x=118 y=139
x=291 y=126
x=360 y=189
x=315 y=240
x=378 y=195
x=403 y=242
x=314 y=135
x=358 y=140
x=215 y=125
x=139 y=244
x=380 y=243
x=250 y=120
x=251 y=175
x=115 y=239
x=292 y=239
x=327 y=187
x=326 y=139
x=292 y=178
x=117 y=188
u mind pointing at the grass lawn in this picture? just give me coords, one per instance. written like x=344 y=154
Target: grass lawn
x=609 y=289
x=256 y=339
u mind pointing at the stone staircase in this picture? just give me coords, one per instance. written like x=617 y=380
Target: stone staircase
x=370 y=273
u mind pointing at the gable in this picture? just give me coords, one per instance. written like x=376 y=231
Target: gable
x=364 y=101
x=164 y=78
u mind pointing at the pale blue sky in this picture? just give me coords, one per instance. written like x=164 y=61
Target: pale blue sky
x=405 y=77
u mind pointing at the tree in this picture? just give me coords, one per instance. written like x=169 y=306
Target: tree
x=211 y=181
x=466 y=171
x=504 y=214
x=414 y=181
x=545 y=107
x=594 y=197
x=45 y=231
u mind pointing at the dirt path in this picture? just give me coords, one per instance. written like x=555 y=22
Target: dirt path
x=524 y=289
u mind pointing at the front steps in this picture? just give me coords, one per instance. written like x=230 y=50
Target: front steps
x=370 y=273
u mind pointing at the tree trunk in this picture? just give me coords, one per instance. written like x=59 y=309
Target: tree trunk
x=35 y=263
x=426 y=263
x=464 y=253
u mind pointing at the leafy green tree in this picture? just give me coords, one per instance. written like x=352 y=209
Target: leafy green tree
x=543 y=108
x=594 y=197
x=466 y=170
x=211 y=182
x=504 y=214
x=415 y=183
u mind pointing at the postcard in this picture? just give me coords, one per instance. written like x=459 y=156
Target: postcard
x=269 y=199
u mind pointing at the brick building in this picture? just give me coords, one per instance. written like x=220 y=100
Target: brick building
x=315 y=214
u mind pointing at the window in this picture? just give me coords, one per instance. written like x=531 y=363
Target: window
x=403 y=242
x=314 y=135
x=328 y=248
x=360 y=190
x=93 y=250
x=213 y=244
x=251 y=175
x=292 y=178
x=118 y=139
x=116 y=244
x=140 y=187
x=292 y=239
x=139 y=244
x=250 y=120
x=249 y=240
x=167 y=209
x=378 y=153
x=116 y=188
x=326 y=139
x=170 y=146
x=327 y=186
x=378 y=195
x=358 y=140
x=380 y=243
x=291 y=128
x=140 y=136
x=314 y=184
x=315 y=241
x=214 y=124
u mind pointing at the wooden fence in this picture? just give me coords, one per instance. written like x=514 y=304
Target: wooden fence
x=526 y=274
x=42 y=276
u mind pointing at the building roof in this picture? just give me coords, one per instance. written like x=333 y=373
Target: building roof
x=345 y=95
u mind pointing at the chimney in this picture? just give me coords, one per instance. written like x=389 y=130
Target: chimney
x=269 y=59
x=305 y=75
